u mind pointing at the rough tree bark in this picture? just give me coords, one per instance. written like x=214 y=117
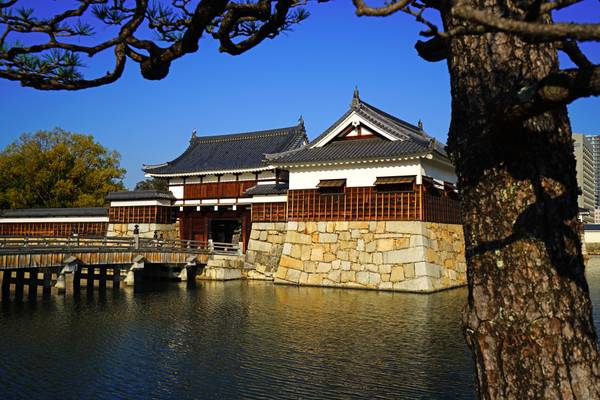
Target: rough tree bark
x=528 y=318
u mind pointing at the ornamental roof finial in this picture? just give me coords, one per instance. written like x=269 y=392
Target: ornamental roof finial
x=420 y=125
x=193 y=136
x=355 y=98
x=432 y=143
x=301 y=121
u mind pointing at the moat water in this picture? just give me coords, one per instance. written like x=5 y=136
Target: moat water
x=249 y=340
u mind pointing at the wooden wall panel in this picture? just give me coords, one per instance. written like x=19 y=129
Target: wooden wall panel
x=369 y=204
x=269 y=212
x=216 y=190
x=54 y=229
x=141 y=215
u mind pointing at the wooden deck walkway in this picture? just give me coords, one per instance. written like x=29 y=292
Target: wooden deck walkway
x=55 y=263
x=43 y=252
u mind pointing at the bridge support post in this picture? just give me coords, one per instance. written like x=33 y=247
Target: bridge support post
x=183 y=274
x=47 y=290
x=116 y=278
x=61 y=282
x=33 y=284
x=6 y=277
x=138 y=263
x=19 y=285
x=185 y=270
x=102 y=279
x=71 y=265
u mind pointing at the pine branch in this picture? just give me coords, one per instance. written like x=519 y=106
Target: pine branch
x=238 y=27
x=556 y=90
x=533 y=30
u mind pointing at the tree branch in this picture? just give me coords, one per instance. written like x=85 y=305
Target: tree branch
x=363 y=9
x=556 y=90
x=538 y=31
x=56 y=64
x=571 y=49
x=6 y=4
x=433 y=50
x=557 y=5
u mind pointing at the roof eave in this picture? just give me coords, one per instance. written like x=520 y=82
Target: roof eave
x=407 y=157
x=209 y=172
x=441 y=158
x=153 y=166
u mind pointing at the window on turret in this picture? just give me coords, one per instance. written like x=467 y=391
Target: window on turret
x=395 y=184
x=332 y=186
x=450 y=190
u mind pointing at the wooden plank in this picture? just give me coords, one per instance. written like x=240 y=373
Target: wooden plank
x=420 y=202
x=378 y=200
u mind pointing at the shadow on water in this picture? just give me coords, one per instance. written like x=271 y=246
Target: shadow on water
x=239 y=340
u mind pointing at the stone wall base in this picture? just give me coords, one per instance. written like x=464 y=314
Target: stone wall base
x=409 y=256
x=264 y=249
x=223 y=268
x=169 y=231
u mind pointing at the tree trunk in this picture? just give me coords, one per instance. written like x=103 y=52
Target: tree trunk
x=528 y=319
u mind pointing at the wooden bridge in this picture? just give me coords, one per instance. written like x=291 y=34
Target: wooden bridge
x=47 y=261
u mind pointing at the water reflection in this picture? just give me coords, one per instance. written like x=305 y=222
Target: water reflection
x=238 y=340
x=235 y=339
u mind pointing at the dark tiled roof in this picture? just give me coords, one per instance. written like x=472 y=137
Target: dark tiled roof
x=270 y=188
x=140 y=195
x=409 y=140
x=363 y=149
x=55 y=212
x=394 y=126
x=231 y=152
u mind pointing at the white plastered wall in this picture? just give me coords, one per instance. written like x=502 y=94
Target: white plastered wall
x=438 y=170
x=137 y=203
x=356 y=175
x=592 y=236
x=41 y=220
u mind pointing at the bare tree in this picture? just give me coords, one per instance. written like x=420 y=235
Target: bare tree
x=528 y=319
x=46 y=52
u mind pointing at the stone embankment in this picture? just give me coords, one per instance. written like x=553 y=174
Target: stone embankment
x=384 y=255
x=264 y=249
x=223 y=268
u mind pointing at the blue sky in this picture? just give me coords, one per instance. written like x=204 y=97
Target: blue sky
x=311 y=71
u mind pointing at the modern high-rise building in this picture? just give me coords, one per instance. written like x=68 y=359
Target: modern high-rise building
x=595 y=141
x=586 y=176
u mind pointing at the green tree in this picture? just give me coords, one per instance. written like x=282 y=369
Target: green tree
x=152 y=184
x=57 y=169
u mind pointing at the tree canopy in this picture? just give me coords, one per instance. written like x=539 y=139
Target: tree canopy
x=57 y=169
x=152 y=184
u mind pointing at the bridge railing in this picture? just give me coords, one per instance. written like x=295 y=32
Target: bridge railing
x=55 y=244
